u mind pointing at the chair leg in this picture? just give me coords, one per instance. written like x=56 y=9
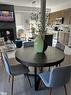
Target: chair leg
x=9 y=78
x=59 y=65
x=29 y=81
x=12 y=85
x=40 y=69
x=65 y=89
x=1 y=56
x=40 y=84
x=49 y=67
x=50 y=90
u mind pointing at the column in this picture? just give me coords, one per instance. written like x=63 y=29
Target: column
x=43 y=12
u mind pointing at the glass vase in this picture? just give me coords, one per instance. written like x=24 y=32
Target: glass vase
x=38 y=44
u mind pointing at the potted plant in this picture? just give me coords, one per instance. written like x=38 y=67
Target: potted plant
x=33 y=29
x=41 y=42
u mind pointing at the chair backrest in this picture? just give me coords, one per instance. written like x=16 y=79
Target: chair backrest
x=28 y=44
x=59 y=76
x=6 y=62
x=60 y=46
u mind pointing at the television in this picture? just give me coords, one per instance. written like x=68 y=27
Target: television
x=6 y=16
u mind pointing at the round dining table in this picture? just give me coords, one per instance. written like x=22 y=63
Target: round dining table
x=28 y=57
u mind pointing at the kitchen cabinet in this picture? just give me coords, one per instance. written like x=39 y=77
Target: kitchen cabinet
x=69 y=43
x=64 y=37
x=66 y=14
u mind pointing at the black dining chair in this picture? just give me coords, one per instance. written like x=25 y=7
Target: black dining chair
x=28 y=44
x=14 y=70
x=60 y=46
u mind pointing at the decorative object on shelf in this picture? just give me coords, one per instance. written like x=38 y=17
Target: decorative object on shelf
x=59 y=20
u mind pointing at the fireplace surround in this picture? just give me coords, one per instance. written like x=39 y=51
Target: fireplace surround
x=8 y=34
x=7 y=28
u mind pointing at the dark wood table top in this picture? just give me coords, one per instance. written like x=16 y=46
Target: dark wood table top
x=29 y=57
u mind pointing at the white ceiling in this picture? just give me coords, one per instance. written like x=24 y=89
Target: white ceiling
x=53 y=4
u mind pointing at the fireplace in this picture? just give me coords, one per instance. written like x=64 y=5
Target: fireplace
x=8 y=28
x=8 y=34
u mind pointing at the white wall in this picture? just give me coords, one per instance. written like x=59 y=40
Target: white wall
x=18 y=18
x=23 y=16
x=22 y=20
x=61 y=6
x=26 y=20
